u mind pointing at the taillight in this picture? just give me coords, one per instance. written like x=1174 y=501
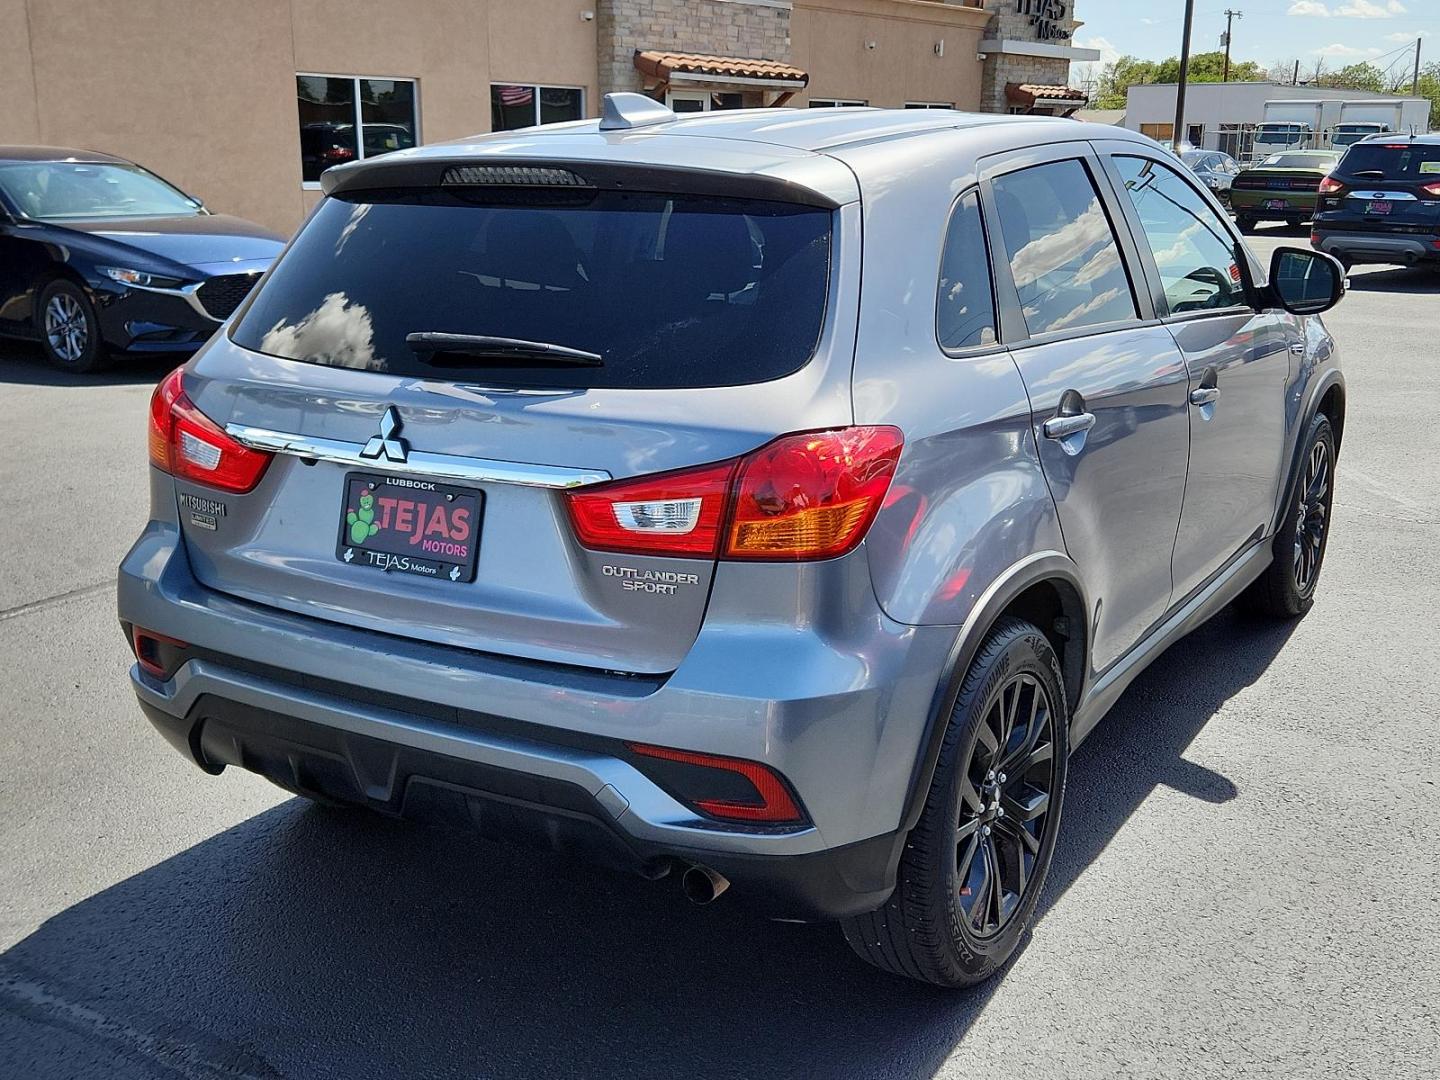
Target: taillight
x=806 y=496
x=1330 y=185
x=811 y=496
x=725 y=787
x=188 y=445
x=1432 y=190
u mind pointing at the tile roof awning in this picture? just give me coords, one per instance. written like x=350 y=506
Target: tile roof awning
x=1032 y=95
x=672 y=67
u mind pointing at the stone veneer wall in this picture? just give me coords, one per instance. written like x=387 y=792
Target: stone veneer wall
x=1003 y=68
x=754 y=29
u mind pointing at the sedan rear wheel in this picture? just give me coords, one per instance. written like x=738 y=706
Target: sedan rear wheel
x=69 y=330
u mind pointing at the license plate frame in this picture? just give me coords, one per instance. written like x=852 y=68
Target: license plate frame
x=1276 y=204
x=1379 y=206
x=413 y=526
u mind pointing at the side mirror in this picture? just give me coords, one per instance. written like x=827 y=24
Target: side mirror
x=1305 y=282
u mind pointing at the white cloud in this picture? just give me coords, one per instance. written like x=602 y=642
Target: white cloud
x=1349 y=9
x=1368 y=9
x=1407 y=35
x=1108 y=52
x=1345 y=52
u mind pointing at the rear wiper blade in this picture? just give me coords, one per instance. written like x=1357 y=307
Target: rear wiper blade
x=1378 y=174
x=488 y=347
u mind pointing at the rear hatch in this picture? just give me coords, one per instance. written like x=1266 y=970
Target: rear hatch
x=1391 y=187
x=688 y=328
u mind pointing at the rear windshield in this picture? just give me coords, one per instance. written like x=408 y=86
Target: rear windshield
x=1397 y=161
x=668 y=290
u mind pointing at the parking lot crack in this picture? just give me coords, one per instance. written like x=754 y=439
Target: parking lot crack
x=53 y=601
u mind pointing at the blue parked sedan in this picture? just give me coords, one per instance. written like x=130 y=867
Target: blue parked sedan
x=99 y=256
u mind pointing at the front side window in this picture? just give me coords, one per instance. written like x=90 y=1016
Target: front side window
x=965 y=312
x=67 y=190
x=1194 y=252
x=665 y=290
x=343 y=119
x=519 y=105
x=1063 y=255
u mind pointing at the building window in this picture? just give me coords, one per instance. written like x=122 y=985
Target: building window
x=837 y=103
x=929 y=104
x=513 y=105
x=1017 y=110
x=348 y=118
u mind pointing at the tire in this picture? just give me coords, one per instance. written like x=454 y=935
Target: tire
x=69 y=331
x=1286 y=589
x=1246 y=224
x=925 y=931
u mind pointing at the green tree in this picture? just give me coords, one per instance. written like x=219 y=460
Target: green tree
x=1117 y=78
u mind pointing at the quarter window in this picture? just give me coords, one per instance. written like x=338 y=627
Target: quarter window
x=343 y=118
x=1063 y=256
x=516 y=105
x=965 y=315
x=1193 y=250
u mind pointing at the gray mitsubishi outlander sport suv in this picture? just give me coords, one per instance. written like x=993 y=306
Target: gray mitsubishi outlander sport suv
x=771 y=497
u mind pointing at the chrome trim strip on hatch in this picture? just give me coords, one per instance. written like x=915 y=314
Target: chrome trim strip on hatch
x=418 y=462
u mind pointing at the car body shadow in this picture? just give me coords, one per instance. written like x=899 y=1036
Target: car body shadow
x=23 y=364
x=309 y=942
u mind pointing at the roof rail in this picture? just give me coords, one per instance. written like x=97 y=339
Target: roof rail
x=623 y=111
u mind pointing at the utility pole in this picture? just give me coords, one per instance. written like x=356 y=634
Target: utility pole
x=1178 y=135
x=1415 y=82
x=1230 y=16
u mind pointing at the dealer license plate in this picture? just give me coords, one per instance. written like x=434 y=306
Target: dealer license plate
x=408 y=525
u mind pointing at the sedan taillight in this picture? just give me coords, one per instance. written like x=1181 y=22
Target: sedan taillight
x=807 y=496
x=188 y=445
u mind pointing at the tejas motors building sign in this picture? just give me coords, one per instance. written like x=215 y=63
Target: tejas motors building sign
x=1050 y=18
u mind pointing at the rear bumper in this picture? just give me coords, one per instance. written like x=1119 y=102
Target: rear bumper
x=546 y=799
x=1375 y=246
x=535 y=751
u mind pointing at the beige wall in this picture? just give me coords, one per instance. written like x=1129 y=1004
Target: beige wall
x=829 y=40
x=203 y=91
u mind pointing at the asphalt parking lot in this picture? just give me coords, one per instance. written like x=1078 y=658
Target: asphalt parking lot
x=1248 y=880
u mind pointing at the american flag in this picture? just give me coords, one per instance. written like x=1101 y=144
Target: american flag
x=516 y=95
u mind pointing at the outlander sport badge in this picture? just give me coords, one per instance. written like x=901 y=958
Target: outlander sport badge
x=387 y=444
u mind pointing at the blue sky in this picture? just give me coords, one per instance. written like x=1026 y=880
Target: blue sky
x=1343 y=31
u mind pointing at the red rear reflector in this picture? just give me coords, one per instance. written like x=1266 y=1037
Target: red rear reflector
x=155 y=652
x=1329 y=186
x=188 y=445
x=774 y=805
x=806 y=496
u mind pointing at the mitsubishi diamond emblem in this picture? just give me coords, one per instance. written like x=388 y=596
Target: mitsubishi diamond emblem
x=388 y=444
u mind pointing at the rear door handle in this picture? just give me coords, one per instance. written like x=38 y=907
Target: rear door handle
x=1205 y=395
x=1062 y=427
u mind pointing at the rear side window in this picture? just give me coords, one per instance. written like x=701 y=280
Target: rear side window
x=965 y=314
x=1193 y=251
x=1396 y=161
x=668 y=290
x=1063 y=254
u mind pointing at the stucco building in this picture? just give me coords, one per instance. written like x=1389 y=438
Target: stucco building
x=244 y=104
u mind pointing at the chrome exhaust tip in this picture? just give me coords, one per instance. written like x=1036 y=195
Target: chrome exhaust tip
x=701 y=885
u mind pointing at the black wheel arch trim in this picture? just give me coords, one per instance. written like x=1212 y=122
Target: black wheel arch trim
x=1042 y=567
x=1329 y=381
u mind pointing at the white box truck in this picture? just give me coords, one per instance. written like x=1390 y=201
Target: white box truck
x=1375 y=116
x=1302 y=124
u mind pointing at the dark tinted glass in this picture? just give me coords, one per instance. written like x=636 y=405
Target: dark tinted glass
x=966 y=303
x=1063 y=256
x=1193 y=251
x=327 y=123
x=558 y=104
x=671 y=291
x=387 y=114
x=512 y=106
x=1398 y=161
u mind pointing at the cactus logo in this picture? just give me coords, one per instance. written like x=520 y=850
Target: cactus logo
x=361 y=523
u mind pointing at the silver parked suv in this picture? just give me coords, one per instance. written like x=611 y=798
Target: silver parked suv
x=776 y=497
